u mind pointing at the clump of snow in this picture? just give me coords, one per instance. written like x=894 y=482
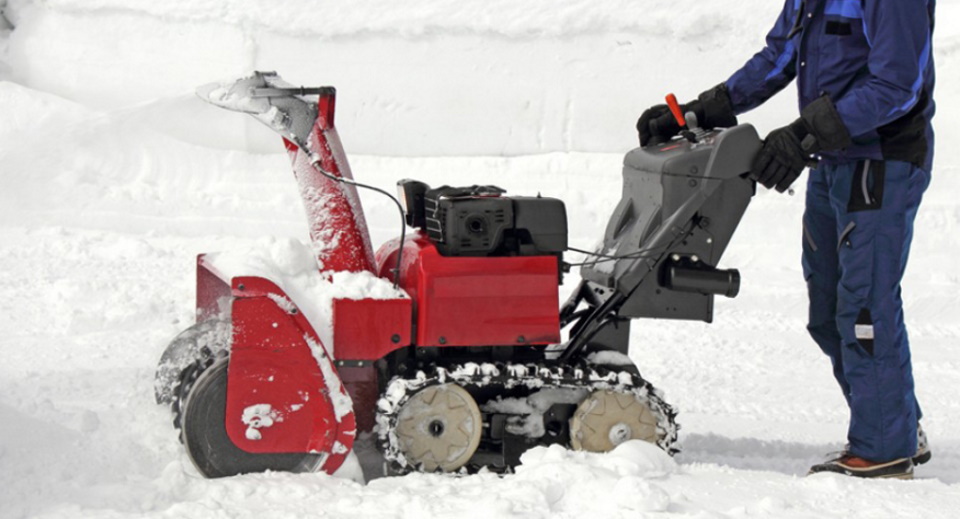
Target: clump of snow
x=259 y=416
x=635 y=458
x=533 y=407
x=341 y=401
x=350 y=469
x=364 y=285
x=292 y=266
x=609 y=358
x=228 y=95
x=631 y=469
x=284 y=303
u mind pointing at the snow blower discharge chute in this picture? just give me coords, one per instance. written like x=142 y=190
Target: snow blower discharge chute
x=464 y=367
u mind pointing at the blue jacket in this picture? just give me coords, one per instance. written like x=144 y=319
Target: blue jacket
x=874 y=60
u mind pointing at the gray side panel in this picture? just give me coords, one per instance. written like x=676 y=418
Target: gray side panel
x=679 y=198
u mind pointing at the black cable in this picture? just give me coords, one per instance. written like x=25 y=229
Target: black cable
x=315 y=162
x=636 y=254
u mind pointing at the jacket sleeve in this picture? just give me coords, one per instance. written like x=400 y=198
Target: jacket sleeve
x=899 y=33
x=769 y=70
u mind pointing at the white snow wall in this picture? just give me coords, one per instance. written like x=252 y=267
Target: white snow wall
x=416 y=78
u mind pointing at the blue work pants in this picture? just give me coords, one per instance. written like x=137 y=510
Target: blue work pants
x=858 y=226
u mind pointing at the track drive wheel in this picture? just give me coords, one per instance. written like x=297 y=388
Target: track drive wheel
x=439 y=428
x=205 y=436
x=607 y=418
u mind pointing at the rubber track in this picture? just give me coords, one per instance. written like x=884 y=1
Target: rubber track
x=511 y=376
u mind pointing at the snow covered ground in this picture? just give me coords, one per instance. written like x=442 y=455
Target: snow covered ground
x=113 y=177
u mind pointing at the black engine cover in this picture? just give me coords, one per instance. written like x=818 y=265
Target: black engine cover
x=478 y=221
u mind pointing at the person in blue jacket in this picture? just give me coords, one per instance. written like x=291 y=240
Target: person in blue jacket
x=865 y=74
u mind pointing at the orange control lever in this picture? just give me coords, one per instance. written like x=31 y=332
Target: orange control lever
x=675 y=109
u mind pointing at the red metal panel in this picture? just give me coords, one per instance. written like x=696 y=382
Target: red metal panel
x=213 y=291
x=477 y=301
x=280 y=370
x=410 y=270
x=361 y=383
x=368 y=329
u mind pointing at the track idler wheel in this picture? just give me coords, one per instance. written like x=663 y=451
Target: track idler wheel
x=607 y=418
x=439 y=428
x=205 y=436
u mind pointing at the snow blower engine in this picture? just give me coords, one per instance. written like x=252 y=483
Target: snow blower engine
x=463 y=364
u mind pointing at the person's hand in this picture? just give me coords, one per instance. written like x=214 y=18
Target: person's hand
x=712 y=109
x=656 y=125
x=784 y=154
x=786 y=151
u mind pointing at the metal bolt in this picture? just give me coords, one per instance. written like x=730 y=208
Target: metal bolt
x=443 y=340
x=521 y=339
x=694 y=258
x=675 y=257
x=241 y=287
x=395 y=338
x=693 y=183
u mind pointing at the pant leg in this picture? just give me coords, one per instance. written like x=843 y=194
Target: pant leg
x=875 y=206
x=821 y=270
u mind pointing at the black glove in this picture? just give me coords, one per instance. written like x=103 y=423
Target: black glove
x=782 y=157
x=656 y=125
x=712 y=108
x=786 y=151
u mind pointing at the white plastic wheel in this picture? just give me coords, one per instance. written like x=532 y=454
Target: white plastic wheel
x=607 y=418
x=439 y=428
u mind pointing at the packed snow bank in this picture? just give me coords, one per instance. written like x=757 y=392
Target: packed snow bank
x=421 y=78
x=415 y=78
x=76 y=166
x=416 y=18
x=81 y=166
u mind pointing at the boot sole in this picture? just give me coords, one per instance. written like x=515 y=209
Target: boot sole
x=923 y=458
x=906 y=476
x=895 y=469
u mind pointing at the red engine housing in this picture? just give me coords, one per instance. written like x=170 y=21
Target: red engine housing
x=476 y=301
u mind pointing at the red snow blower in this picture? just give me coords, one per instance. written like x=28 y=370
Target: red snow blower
x=464 y=367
